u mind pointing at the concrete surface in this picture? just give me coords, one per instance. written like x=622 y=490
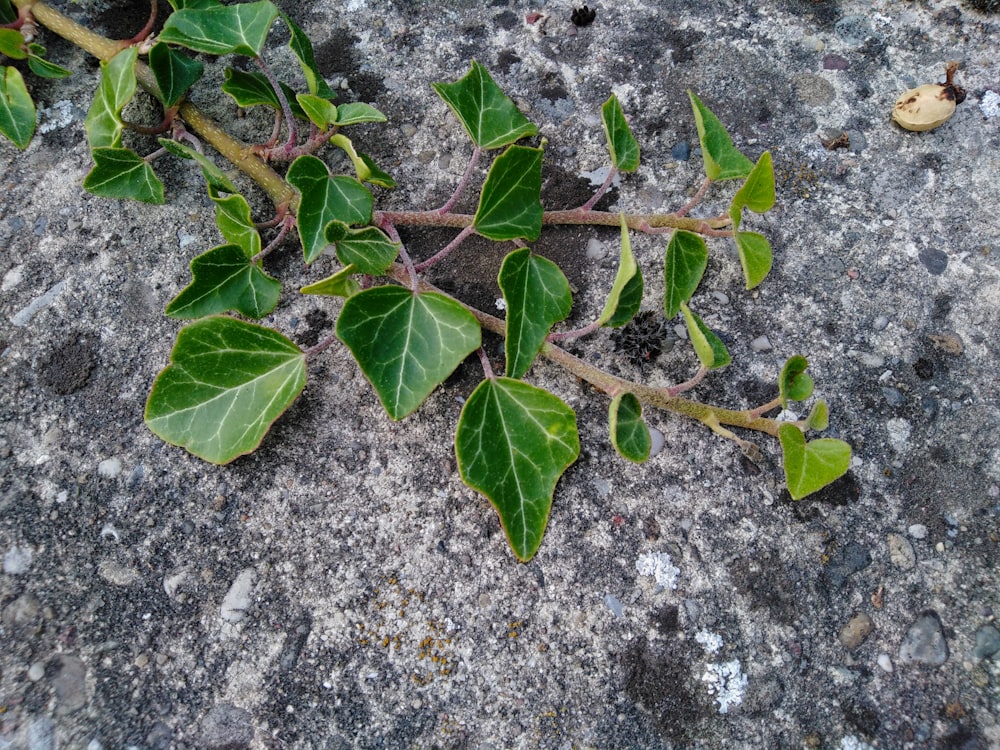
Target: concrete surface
x=341 y=587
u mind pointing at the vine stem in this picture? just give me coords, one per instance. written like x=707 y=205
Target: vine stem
x=473 y=160
x=638 y=222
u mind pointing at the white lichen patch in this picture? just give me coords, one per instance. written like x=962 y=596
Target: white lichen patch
x=660 y=566
x=711 y=642
x=727 y=683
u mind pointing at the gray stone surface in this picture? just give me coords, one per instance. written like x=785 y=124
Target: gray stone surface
x=386 y=609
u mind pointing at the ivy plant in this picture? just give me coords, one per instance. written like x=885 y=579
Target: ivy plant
x=229 y=378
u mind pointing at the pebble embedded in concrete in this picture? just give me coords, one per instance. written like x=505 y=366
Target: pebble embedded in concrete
x=924 y=642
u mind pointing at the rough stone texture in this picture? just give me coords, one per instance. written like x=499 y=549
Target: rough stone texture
x=387 y=610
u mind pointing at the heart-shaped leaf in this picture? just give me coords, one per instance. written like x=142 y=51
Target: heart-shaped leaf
x=340 y=284
x=794 y=384
x=224 y=279
x=755 y=257
x=221 y=29
x=120 y=173
x=629 y=433
x=510 y=205
x=683 y=267
x=625 y=296
x=488 y=115
x=226 y=384
x=537 y=295
x=757 y=192
x=722 y=160
x=302 y=49
x=368 y=249
x=712 y=353
x=513 y=442
x=174 y=72
x=811 y=466
x=406 y=344
x=325 y=198
x=17 y=110
x=622 y=145
x=104 y=124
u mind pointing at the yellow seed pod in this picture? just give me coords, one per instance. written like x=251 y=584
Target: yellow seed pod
x=928 y=106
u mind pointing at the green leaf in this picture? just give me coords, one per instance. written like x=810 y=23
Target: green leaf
x=227 y=382
x=221 y=30
x=488 y=115
x=625 y=296
x=233 y=218
x=513 y=442
x=712 y=353
x=757 y=192
x=629 y=433
x=12 y=44
x=622 y=145
x=325 y=199
x=224 y=279
x=321 y=112
x=510 y=206
x=182 y=4
x=42 y=67
x=302 y=49
x=722 y=160
x=375 y=175
x=407 y=344
x=363 y=165
x=353 y=113
x=340 y=284
x=214 y=177
x=794 y=384
x=7 y=12
x=117 y=86
x=537 y=295
x=683 y=267
x=819 y=416
x=755 y=257
x=811 y=466
x=251 y=89
x=17 y=110
x=120 y=173
x=174 y=72
x=368 y=249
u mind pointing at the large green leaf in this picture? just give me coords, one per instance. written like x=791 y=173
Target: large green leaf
x=537 y=295
x=684 y=265
x=811 y=466
x=325 y=198
x=722 y=159
x=510 y=205
x=488 y=115
x=625 y=296
x=407 y=344
x=712 y=353
x=757 y=192
x=794 y=384
x=174 y=71
x=120 y=173
x=17 y=110
x=755 y=257
x=368 y=248
x=224 y=279
x=629 y=433
x=117 y=86
x=302 y=49
x=622 y=145
x=513 y=442
x=226 y=384
x=221 y=29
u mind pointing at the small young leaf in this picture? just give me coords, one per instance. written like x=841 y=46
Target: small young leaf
x=622 y=145
x=406 y=344
x=488 y=115
x=363 y=165
x=625 y=296
x=755 y=257
x=221 y=29
x=683 y=267
x=757 y=192
x=225 y=279
x=117 y=86
x=811 y=466
x=12 y=44
x=214 y=177
x=340 y=284
x=510 y=205
x=17 y=110
x=42 y=67
x=353 y=113
x=712 y=353
x=174 y=72
x=819 y=416
x=321 y=112
x=375 y=175
x=227 y=382
x=629 y=433
x=794 y=384
x=120 y=173
x=537 y=295
x=722 y=160
x=513 y=442
x=302 y=48
x=368 y=249
x=325 y=199
x=251 y=89
x=233 y=218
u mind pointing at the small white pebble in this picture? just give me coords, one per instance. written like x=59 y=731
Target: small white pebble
x=990 y=105
x=656 y=440
x=36 y=671
x=917 y=531
x=109 y=468
x=885 y=662
x=761 y=344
